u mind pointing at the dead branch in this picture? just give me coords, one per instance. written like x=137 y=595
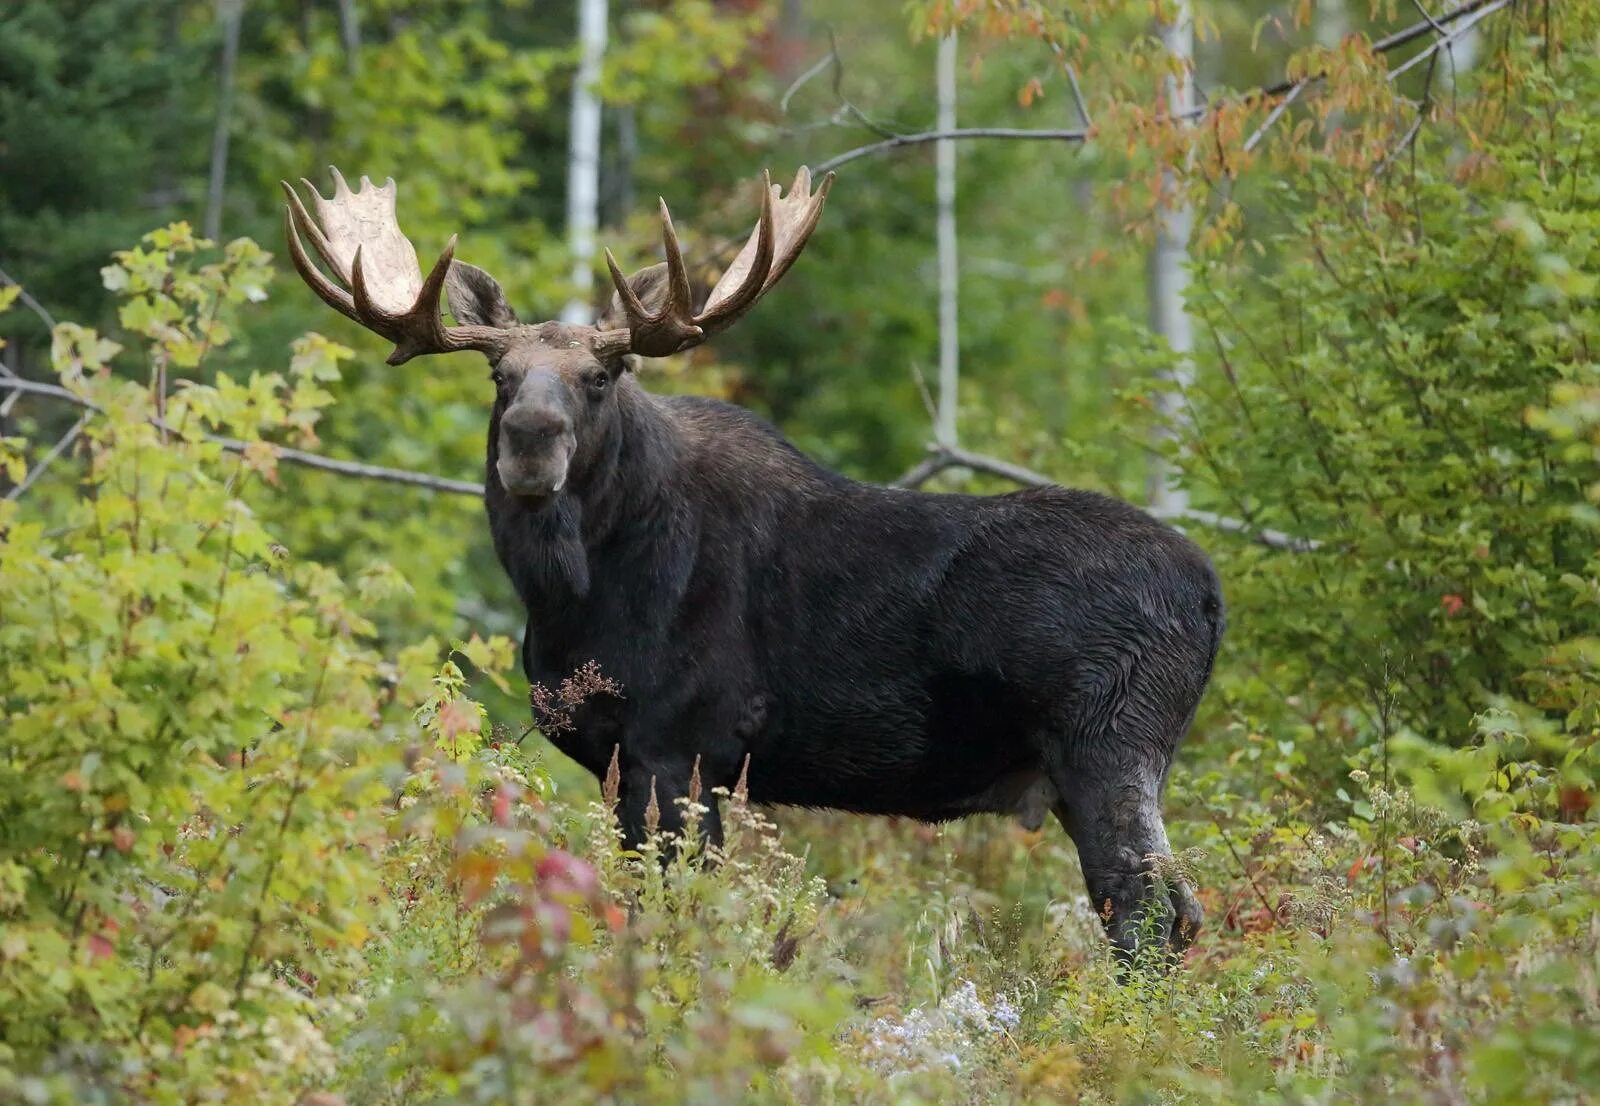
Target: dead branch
x=1473 y=10
x=50 y=457
x=941 y=458
x=282 y=453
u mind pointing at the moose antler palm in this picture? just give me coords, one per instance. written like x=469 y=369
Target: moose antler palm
x=781 y=232
x=358 y=237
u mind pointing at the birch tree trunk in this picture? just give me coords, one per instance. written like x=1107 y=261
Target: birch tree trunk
x=1169 y=274
x=949 y=268
x=583 y=158
x=230 y=14
x=350 y=33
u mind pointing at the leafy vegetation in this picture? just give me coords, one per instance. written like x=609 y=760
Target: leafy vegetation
x=273 y=827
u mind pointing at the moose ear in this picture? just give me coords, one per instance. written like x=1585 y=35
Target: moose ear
x=476 y=298
x=650 y=285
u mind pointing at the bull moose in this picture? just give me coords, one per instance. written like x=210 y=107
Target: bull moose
x=862 y=648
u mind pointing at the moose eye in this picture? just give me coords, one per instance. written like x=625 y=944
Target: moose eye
x=598 y=383
x=499 y=378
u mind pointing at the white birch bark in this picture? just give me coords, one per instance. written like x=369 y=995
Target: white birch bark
x=583 y=158
x=1169 y=274
x=230 y=14
x=949 y=269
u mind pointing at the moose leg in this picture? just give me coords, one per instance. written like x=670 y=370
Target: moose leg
x=1116 y=824
x=667 y=784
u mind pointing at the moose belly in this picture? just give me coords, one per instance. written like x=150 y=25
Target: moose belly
x=956 y=744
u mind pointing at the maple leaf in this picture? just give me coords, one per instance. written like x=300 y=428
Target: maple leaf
x=458 y=716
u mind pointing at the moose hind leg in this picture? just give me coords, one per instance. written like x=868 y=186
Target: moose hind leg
x=1110 y=775
x=1121 y=844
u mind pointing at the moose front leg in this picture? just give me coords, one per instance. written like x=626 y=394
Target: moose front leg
x=651 y=797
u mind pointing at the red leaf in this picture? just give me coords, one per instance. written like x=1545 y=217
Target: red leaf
x=456 y=717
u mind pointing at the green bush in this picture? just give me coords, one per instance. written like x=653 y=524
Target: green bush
x=1368 y=390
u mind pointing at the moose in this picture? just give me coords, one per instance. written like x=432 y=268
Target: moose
x=848 y=646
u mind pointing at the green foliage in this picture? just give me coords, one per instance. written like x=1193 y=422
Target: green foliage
x=1371 y=393
x=261 y=841
x=185 y=787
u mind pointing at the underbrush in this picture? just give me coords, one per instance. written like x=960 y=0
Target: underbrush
x=250 y=853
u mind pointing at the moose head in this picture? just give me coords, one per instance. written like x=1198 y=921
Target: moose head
x=554 y=381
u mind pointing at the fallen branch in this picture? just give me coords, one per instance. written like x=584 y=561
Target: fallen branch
x=283 y=453
x=940 y=458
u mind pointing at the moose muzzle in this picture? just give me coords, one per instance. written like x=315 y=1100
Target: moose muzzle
x=536 y=445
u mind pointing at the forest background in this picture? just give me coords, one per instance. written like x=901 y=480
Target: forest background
x=1317 y=281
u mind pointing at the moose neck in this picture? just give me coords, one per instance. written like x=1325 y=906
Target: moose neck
x=617 y=487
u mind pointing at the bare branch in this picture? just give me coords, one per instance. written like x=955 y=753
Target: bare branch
x=283 y=453
x=1481 y=13
x=44 y=316
x=1473 y=12
x=1077 y=96
x=28 y=301
x=924 y=137
x=805 y=78
x=940 y=458
x=1276 y=113
x=50 y=458
x=1405 y=142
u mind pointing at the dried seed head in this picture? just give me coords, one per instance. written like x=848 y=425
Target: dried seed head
x=613 y=782
x=652 y=811
x=694 y=781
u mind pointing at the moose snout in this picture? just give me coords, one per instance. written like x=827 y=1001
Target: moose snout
x=533 y=432
x=535 y=449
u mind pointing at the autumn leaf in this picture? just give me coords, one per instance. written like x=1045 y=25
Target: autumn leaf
x=459 y=716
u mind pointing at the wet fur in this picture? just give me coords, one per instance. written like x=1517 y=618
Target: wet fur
x=869 y=649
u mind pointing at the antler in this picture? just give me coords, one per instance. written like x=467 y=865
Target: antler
x=360 y=239
x=780 y=234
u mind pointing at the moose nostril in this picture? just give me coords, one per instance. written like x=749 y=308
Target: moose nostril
x=535 y=431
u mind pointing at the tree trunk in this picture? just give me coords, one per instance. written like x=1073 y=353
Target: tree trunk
x=1169 y=274
x=350 y=33
x=230 y=14
x=583 y=158
x=949 y=268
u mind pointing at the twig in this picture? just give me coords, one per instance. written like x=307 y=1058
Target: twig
x=38 y=309
x=1243 y=867
x=1474 y=11
x=1077 y=96
x=1409 y=137
x=28 y=301
x=805 y=78
x=282 y=453
x=50 y=458
x=922 y=138
x=1477 y=16
x=940 y=458
x=1275 y=114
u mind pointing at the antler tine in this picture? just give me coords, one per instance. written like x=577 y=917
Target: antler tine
x=329 y=292
x=755 y=276
x=784 y=225
x=309 y=227
x=679 y=298
x=631 y=304
x=804 y=225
